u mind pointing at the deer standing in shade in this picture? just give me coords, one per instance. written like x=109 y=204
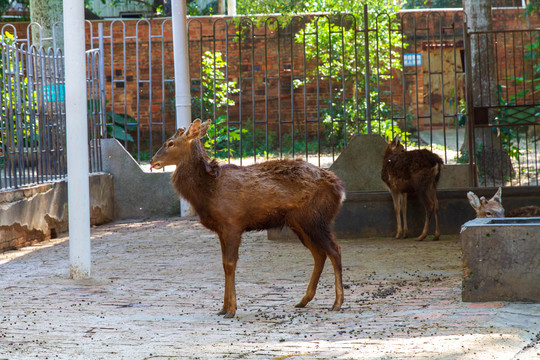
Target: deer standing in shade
x=406 y=172
x=231 y=199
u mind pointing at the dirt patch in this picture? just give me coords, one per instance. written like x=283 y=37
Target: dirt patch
x=157 y=285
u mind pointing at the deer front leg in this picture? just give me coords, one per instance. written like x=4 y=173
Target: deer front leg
x=404 y=214
x=396 y=198
x=229 y=250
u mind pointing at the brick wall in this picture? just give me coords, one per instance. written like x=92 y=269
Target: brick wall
x=131 y=81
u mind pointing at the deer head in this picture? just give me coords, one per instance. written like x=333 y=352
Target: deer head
x=178 y=147
x=395 y=146
x=491 y=208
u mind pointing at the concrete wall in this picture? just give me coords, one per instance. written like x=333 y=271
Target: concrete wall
x=359 y=166
x=137 y=194
x=368 y=210
x=36 y=213
x=501 y=260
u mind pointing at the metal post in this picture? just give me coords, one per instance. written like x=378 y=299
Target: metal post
x=101 y=74
x=181 y=76
x=77 y=140
x=367 y=74
x=470 y=105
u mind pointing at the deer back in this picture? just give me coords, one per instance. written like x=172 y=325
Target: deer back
x=408 y=171
x=525 y=211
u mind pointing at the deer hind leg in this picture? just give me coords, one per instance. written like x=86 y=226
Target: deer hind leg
x=405 y=232
x=319 y=258
x=322 y=243
x=229 y=251
x=436 y=213
x=431 y=205
x=333 y=251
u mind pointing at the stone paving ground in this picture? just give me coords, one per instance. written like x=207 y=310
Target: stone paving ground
x=157 y=285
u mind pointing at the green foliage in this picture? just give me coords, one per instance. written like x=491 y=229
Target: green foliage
x=16 y=125
x=431 y=4
x=119 y=125
x=531 y=7
x=193 y=9
x=511 y=113
x=336 y=46
x=284 y=7
x=216 y=97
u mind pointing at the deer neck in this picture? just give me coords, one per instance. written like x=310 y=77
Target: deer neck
x=190 y=179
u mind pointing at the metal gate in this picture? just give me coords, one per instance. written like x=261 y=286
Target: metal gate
x=32 y=124
x=505 y=112
x=304 y=87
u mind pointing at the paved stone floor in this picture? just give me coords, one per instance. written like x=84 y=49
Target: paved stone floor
x=156 y=286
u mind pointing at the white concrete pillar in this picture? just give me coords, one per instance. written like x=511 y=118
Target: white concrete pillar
x=77 y=139
x=231 y=7
x=181 y=77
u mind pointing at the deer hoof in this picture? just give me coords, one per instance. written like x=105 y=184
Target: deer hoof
x=336 y=308
x=228 y=316
x=436 y=237
x=421 y=237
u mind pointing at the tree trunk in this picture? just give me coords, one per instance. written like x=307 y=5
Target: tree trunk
x=221 y=9
x=479 y=18
x=47 y=13
x=492 y=160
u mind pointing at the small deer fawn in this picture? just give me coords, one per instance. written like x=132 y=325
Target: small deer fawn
x=231 y=199
x=493 y=207
x=415 y=171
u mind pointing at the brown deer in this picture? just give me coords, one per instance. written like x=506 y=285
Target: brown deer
x=231 y=199
x=493 y=207
x=406 y=172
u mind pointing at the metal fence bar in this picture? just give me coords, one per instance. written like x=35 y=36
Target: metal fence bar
x=32 y=123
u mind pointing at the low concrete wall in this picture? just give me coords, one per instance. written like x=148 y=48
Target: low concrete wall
x=501 y=260
x=36 y=213
x=368 y=210
x=137 y=194
x=359 y=166
x=371 y=214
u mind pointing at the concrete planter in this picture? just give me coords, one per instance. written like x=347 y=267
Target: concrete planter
x=501 y=259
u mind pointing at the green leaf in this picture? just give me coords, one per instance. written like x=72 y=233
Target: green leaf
x=118 y=133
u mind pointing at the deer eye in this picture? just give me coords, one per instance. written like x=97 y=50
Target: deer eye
x=489 y=213
x=170 y=143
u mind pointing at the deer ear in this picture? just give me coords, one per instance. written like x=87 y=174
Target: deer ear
x=473 y=200
x=395 y=142
x=194 y=129
x=498 y=196
x=204 y=128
